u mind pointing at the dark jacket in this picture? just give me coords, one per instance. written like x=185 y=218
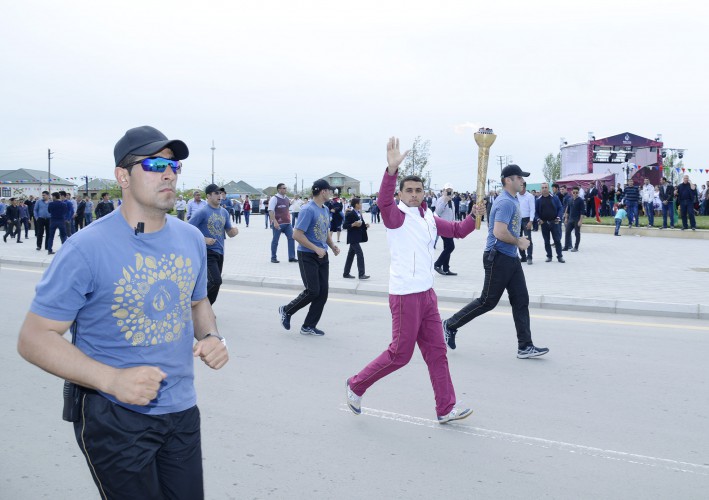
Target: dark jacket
x=554 y=201
x=103 y=208
x=57 y=210
x=12 y=213
x=576 y=209
x=355 y=234
x=667 y=192
x=684 y=192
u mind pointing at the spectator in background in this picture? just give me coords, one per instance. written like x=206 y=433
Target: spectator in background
x=686 y=196
x=195 y=204
x=527 y=212
x=631 y=198
x=180 y=207
x=104 y=207
x=247 y=209
x=89 y=211
x=667 y=200
x=648 y=197
x=619 y=218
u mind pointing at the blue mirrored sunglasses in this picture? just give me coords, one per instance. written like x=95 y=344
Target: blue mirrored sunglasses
x=158 y=164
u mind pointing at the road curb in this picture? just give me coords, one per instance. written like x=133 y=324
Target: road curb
x=547 y=302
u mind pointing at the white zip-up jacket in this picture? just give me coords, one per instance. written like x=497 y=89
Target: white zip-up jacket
x=411 y=232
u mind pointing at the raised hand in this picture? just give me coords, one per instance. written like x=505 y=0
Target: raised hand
x=394 y=157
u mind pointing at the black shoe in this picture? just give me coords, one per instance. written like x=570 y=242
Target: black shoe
x=50 y=252
x=574 y=250
x=20 y=241
x=285 y=317
x=529 y=261
x=548 y=259
x=449 y=335
x=694 y=229
x=38 y=249
x=439 y=270
x=451 y=273
x=364 y=277
x=348 y=276
x=4 y=238
x=275 y=261
x=531 y=352
x=292 y=260
x=522 y=260
x=564 y=249
x=560 y=259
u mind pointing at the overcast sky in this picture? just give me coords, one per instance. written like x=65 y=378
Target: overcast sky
x=312 y=87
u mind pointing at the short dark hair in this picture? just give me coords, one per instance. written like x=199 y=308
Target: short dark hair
x=127 y=160
x=354 y=201
x=55 y=195
x=104 y=194
x=555 y=185
x=414 y=178
x=63 y=193
x=575 y=188
x=280 y=185
x=45 y=192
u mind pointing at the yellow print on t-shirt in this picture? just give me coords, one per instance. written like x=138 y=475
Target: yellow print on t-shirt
x=152 y=300
x=215 y=224
x=321 y=227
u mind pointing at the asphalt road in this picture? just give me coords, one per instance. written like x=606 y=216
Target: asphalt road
x=618 y=409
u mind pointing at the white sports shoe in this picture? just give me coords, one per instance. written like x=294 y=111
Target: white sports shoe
x=457 y=413
x=353 y=400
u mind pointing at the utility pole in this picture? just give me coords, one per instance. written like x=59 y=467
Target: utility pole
x=301 y=185
x=49 y=170
x=502 y=159
x=295 y=186
x=213 y=148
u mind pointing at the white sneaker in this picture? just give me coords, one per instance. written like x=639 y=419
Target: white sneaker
x=457 y=413
x=353 y=400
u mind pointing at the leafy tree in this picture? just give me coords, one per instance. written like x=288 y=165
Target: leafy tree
x=416 y=161
x=552 y=167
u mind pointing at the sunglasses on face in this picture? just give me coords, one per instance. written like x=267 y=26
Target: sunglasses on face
x=158 y=164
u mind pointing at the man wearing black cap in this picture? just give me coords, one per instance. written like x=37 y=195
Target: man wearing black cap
x=214 y=221
x=503 y=270
x=313 y=237
x=133 y=288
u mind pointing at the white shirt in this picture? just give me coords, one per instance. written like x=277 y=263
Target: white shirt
x=526 y=205
x=648 y=193
x=180 y=205
x=295 y=206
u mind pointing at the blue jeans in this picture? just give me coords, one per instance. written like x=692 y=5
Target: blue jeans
x=632 y=209
x=618 y=222
x=687 y=208
x=88 y=218
x=650 y=212
x=669 y=208
x=246 y=217
x=286 y=229
x=267 y=220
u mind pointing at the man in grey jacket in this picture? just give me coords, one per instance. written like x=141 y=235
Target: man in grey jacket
x=446 y=211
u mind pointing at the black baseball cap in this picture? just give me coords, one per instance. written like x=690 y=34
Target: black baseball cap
x=513 y=169
x=321 y=184
x=146 y=141
x=212 y=188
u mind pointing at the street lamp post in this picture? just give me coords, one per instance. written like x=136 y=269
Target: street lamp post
x=213 y=148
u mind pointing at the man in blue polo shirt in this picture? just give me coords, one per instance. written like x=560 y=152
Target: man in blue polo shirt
x=213 y=220
x=503 y=270
x=313 y=237
x=133 y=289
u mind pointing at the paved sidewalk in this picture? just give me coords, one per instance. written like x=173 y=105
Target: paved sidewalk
x=631 y=274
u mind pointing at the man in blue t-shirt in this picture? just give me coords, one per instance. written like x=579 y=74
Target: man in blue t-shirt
x=132 y=287
x=313 y=237
x=503 y=270
x=213 y=220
